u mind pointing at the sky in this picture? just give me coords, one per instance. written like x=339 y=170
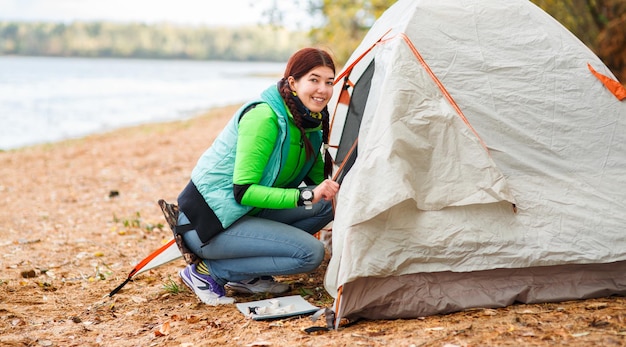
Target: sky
x=188 y=12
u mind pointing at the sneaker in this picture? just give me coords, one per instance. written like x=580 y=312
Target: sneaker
x=265 y=284
x=207 y=290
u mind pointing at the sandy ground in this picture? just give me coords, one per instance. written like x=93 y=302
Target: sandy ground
x=77 y=216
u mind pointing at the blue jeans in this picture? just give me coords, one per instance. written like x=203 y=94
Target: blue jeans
x=274 y=242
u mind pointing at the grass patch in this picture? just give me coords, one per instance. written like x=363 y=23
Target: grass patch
x=172 y=287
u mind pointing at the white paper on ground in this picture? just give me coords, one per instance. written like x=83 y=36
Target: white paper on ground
x=277 y=307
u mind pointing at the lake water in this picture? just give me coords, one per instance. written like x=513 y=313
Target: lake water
x=46 y=99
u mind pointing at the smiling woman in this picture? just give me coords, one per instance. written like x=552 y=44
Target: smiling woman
x=261 y=191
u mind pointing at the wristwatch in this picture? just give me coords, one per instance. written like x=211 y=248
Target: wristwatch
x=306 y=195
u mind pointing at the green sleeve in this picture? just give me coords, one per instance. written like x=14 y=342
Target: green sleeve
x=258 y=131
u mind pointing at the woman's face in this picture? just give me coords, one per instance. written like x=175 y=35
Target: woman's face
x=315 y=88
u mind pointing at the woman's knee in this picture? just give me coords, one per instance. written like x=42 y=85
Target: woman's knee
x=315 y=256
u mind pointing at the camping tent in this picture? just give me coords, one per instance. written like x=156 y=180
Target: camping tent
x=483 y=163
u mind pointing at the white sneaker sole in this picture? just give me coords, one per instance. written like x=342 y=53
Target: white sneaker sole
x=209 y=299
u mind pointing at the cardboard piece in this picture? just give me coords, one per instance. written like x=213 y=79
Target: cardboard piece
x=276 y=308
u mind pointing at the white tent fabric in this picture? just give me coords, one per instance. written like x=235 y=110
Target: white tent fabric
x=500 y=157
x=167 y=253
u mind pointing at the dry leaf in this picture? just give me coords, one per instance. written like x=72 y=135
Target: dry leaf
x=164 y=330
x=29 y=274
x=193 y=319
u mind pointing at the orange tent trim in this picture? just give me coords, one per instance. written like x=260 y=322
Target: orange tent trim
x=612 y=85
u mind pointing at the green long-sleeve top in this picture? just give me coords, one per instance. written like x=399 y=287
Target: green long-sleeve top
x=257 y=133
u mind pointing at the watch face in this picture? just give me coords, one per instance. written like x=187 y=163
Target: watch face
x=307 y=195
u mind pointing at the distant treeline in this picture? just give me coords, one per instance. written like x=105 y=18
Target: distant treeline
x=155 y=41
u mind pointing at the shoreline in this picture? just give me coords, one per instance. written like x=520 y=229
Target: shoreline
x=52 y=100
x=141 y=127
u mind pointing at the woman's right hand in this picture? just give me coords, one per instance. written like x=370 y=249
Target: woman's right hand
x=325 y=190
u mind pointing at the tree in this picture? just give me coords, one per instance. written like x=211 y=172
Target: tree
x=347 y=23
x=610 y=45
x=600 y=24
x=158 y=41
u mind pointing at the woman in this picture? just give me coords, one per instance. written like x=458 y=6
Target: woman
x=245 y=212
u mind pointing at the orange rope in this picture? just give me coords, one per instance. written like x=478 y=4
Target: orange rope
x=441 y=87
x=352 y=149
x=345 y=98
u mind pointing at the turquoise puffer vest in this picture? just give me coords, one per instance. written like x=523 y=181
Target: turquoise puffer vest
x=213 y=174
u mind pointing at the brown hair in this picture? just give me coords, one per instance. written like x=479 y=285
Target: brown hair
x=299 y=64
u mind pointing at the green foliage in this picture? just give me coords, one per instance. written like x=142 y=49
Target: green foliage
x=575 y=15
x=102 y=274
x=347 y=21
x=598 y=23
x=305 y=292
x=160 y=41
x=150 y=226
x=172 y=286
x=134 y=222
